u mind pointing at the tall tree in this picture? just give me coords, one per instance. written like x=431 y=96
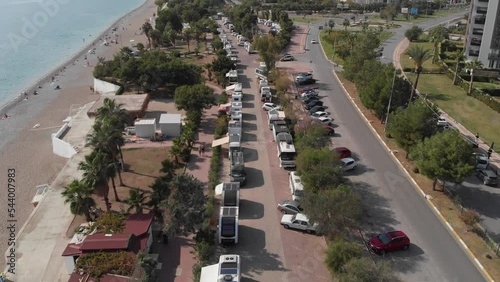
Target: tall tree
x=269 y=48
x=78 y=195
x=187 y=33
x=310 y=133
x=413 y=33
x=194 y=97
x=438 y=34
x=339 y=253
x=136 y=201
x=445 y=156
x=147 y=29
x=412 y=125
x=473 y=66
x=95 y=169
x=331 y=25
x=186 y=205
x=346 y=23
x=419 y=55
x=335 y=210
x=319 y=169
x=459 y=58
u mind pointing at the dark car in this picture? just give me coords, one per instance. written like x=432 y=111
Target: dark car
x=307 y=81
x=316 y=109
x=289 y=207
x=488 y=177
x=388 y=242
x=314 y=103
x=309 y=100
x=343 y=152
x=330 y=131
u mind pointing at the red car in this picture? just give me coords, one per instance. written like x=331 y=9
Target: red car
x=329 y=130
x=388 y=242
x=343 y=152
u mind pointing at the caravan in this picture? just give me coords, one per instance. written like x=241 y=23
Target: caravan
x=228 y=225
x=296 y=186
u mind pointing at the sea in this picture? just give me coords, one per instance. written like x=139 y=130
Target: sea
x=37 y=36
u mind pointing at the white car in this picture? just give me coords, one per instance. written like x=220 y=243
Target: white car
x=298 y=221
x=326 y=120
x=314 y=41
x=319 y=114
x=481 y=161
x=348 y=164
x=442 y=122
x=303 y=77
x=270 y=106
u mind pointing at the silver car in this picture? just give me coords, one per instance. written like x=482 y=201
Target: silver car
x=289 y=207
x=488 y=177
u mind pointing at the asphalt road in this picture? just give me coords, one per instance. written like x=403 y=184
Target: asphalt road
x=391 y=202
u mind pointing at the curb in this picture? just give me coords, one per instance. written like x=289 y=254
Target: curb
x=445 y=223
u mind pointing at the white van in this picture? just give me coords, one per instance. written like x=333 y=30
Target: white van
x=237 y=97
x=296 y=186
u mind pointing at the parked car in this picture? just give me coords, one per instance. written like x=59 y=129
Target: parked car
x=303 y=76
x=442 y=122
x=287 y=57
x=306 y=81
x=319 y=114
x=330 y=131
x=308 y=94
x=316 y=109
x=314 y=41
x=390 y=241
x=298 y=221
x=326 y=120
x=482 y=161
x=311 y=104
x=308 y=89
x=309 y=99
x=348 y=164
x=488 y=177
x=343 y=152
x=289 y=207
x=269 y=106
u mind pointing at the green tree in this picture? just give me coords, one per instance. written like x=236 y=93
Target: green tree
x=177 y=149
x=419 y=55
x=445 y=156
x=413 y=33
x=473 y=66
x=148 y=265
x=459 y=58
x=95 y=169
x=339 y=253
x=110 y=223
x=310 y=133
x=135 y=200
x=437 y=34
x=147 y=29
x=389 y=13
x=346 y=23
x=412 y=125
x=269 y=48
x=331 y=25
x=363 y=269
x=319 y=169
x=155 y=36
x=186 y=205
x=78 y=195
x=335 y=210
x=187 y=34
x=194 y=97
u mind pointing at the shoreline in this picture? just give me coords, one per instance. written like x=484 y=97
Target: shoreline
x=46 y=78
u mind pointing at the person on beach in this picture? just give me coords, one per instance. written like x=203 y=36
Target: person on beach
x=5 y=116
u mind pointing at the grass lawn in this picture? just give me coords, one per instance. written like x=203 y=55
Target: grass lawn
x=406 y=62
x=306 y=19
x=468 y=111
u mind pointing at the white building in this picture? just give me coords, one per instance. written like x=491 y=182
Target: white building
x=170 y=125
x=145 y=128
x=483 y=33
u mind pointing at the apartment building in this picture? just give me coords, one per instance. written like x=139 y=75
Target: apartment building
x=483 y=33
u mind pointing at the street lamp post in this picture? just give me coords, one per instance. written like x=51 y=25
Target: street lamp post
x=390 y=100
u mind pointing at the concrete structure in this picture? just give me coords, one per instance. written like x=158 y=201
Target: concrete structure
x=170 y=125
x=135 y=105
x=104 y=87
x=145 y=128
x=61 y=147
x=483 y=33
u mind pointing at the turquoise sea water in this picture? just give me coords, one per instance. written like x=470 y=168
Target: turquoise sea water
x=36 y=36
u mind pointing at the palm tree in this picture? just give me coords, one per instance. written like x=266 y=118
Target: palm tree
x=346 y=23
x=186 y=33
x=438 y=34
x=117 y=116
x=208 y=67
x=177 y=149
x=95 y=169
x=77 y=194
x=459 y=57
x=168 y=168
x=155 y=37
x=331 y=24
x=135 y=201
x=473 y=66
x=125 y=54
x=147 y=28
x=419 y=55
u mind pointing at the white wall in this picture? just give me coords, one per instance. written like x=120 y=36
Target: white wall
x=103 y=87
x=171 y=129
x=61 y=147
x=145 y=130
x=70 y=264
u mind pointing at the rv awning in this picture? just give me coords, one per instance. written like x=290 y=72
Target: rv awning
x=231 y=88
x=280 y=114
x=221 y=141
x=209 y=273
x=218 y=189
x=225 y=105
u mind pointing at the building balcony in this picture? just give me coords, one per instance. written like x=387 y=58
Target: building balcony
x=475 y=42
x=473 y=53
x=494 y=57
x=479 y=20
x=483 y=1
x=481 y=10
x=477 y=31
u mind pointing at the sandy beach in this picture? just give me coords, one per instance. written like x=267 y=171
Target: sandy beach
x=28 y=150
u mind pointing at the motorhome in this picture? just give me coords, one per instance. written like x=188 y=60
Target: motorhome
x=237 y=97
x=264 y=88
x=241 y=41
x=296 y=186
x=234 y=134
x=261 y=73
x=265 y=96
x=249 y=47
x=286 y=154
x=237 y=171
x=284 y=137
x=232 y=76
x=273 y=119
x=279 y=128
x=229 y=269
x=230 y=196
x=236 y=107
x=236 y=116
x=263 y=83
x=228 y=225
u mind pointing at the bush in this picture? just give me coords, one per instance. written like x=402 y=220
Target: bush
x=470 y=217
x=339 y=253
